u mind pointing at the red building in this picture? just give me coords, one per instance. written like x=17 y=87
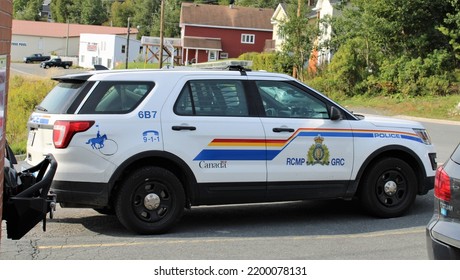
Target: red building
x=213 y=32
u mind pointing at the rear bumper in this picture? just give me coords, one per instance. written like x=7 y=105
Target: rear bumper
x=81 y=194
x=442 y=240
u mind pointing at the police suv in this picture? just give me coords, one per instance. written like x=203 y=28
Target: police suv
x=145 y=144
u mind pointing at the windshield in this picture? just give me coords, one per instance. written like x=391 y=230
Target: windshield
x=59 y=98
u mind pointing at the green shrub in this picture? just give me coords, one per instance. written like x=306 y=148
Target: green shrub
x=271 y=62
x=23 y=95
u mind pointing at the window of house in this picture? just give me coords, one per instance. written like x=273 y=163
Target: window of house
x=96 y=60
x=116 y=97
x=212 y=56
x=212 y=98
x=123 y=48
x=248 y=38
x=223 y=55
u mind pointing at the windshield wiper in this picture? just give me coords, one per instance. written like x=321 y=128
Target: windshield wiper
x=40 y=108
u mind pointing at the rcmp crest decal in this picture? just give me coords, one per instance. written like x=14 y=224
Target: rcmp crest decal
x=318 y=152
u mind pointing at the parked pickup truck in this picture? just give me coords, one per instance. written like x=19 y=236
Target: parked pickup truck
x=36 y=57
x=56 y=62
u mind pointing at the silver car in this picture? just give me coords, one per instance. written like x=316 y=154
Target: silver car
x=443 y=231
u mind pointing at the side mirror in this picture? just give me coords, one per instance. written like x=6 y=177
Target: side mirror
x=336 y=114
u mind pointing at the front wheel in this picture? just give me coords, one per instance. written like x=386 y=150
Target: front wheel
x=151 y=200
x=389 y=188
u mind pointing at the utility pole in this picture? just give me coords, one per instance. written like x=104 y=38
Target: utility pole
x=127 y=46
x=294 y=69
x=67 y=39
x=162 y=14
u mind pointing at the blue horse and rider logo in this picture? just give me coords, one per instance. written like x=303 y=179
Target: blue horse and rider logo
x=101 y=143
x=98 y=142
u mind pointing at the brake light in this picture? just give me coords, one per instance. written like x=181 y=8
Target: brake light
x=63 y=131
x=442 y=185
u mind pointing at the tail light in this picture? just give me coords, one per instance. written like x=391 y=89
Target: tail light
x=442 y=185
x=63 y=131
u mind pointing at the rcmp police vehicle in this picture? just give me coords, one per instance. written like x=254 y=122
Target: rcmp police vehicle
x=145 y=144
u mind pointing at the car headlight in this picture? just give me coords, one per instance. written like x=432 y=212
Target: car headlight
x=423 y=134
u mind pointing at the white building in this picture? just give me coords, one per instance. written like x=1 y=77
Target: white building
x=325 y=10
x=107 y=50
x=58 y=39
x=321 y=10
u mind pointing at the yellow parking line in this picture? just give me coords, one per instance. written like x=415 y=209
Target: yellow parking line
x=317 y=237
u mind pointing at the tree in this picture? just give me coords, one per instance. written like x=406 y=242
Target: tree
x=300 y=35
x=451 y=28
x=120 y=12
x=258 y=3
x=66 y=10
x=27 y=9
x=391 y=47
x=395 y=27
x=144 y=16
x=92 y=12
x=171 y=20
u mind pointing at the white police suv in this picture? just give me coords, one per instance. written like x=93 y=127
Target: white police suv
x=146 y=144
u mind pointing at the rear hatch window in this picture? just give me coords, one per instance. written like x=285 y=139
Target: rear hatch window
x=60 y=99
x=456 y=155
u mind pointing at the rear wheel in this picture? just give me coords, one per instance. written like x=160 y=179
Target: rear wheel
x=389 y=188
x=151 y=200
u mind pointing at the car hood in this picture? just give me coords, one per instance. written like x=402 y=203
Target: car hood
x=392 y=122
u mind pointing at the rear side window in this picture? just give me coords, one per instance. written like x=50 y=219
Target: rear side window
x=60 y=98
x=212 y=98
x=116 y=97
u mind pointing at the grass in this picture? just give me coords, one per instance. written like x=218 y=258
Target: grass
x=434 y=107
x=138 y=65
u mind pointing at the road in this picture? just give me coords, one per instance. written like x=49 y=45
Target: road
x=33 y=69
x=318 y=230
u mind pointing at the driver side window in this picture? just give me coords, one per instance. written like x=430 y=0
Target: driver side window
x=283 y=100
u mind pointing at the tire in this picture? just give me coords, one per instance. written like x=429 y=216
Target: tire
x=150 y=200
x=47 y=66
x=389 y=188
x=66 y=66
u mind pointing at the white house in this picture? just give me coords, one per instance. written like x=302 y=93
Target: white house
x=107 y=50
x=279 y=16
x=321 y=9
x=325 y=9
x=51 y=38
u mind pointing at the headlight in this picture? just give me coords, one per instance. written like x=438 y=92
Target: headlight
x=423 y=134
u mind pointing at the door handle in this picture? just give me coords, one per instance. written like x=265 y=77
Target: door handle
x=183 y=127
x=283 y=129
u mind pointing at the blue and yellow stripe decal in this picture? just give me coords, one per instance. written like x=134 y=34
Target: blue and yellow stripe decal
x=268 y=149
